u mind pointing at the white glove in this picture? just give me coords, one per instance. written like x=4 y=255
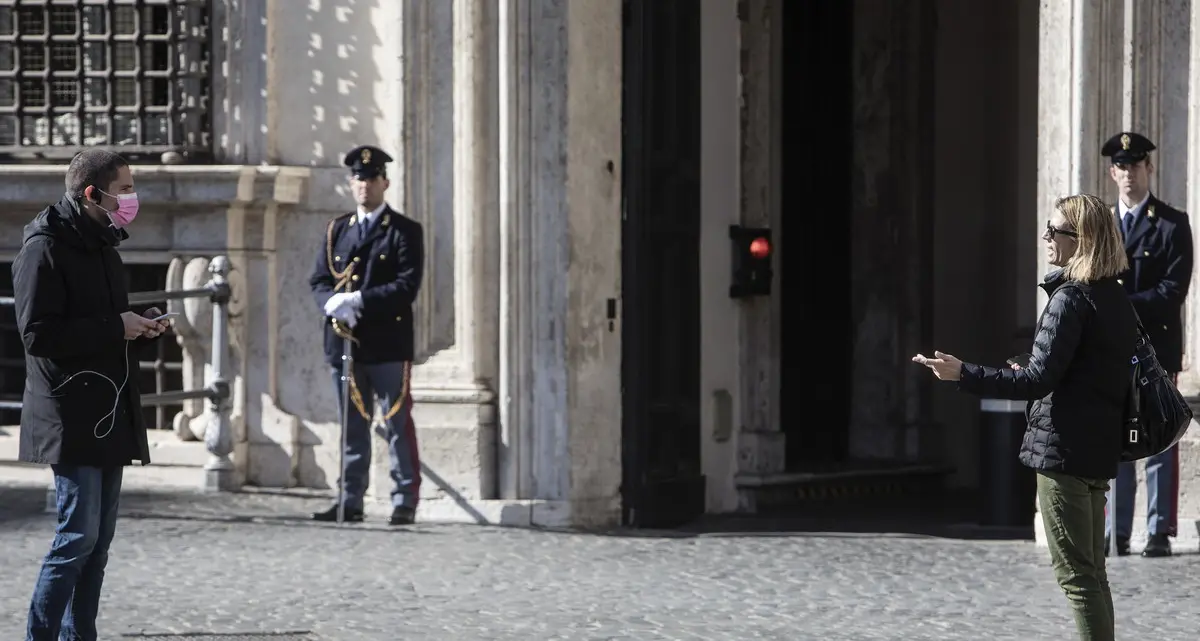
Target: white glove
x=343 y=300
x=348 y=316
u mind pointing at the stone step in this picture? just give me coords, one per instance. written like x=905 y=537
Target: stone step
x=760 y=493
x=175 y=463
x=165 y=448
x=136 y=477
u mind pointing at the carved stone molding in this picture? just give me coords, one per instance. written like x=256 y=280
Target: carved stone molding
x=193 y=332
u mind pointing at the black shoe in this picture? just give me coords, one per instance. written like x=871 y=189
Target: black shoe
x=1158 y=546
x=330 y=515
x=1122 y=546
x=402 y=516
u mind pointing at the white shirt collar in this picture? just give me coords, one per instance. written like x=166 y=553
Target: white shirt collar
x=368 y=216
x=1132 y=210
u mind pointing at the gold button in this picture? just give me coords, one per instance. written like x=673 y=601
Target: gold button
x=1120 y=281
x=399 y=318
x=1164 y=327
x=382 y=256
x=337 y=257
x=1145 y=252
x=356 y=258
x=354 y=278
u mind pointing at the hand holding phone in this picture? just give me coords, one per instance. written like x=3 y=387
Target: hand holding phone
x=1020 y=361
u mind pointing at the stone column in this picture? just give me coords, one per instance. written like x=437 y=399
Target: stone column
x=761 y=448
x=1155 y=74
x=1189 y=380
x=892 y=191
x=516 y=314
x=1085 y=94
x=559 y=141
x=451 y=191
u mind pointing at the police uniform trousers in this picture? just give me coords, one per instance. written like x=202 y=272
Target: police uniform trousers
x=1162 y=490
x=388 y=382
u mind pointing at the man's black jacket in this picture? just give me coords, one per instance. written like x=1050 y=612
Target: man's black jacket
x=386 y=263
x=1160 y=272
x=70 y=288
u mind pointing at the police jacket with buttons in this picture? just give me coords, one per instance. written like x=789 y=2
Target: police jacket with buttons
x=71 y=288
x=1159 y=247
x=385 y=261
x=1076 y=381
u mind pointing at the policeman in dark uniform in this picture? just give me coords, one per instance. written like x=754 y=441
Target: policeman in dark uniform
x=368 y=271
x=1158 y=241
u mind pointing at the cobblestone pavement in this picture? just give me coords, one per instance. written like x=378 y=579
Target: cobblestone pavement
x=246 y=563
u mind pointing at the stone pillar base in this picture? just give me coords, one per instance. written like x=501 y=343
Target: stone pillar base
x=456 y=438
x=761 y=452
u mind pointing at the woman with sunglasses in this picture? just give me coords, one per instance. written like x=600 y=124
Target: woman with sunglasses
x=1076 y=381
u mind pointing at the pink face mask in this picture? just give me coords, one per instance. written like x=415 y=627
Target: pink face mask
x=127 y=209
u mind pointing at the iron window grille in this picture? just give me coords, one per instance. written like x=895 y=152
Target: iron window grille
x=131 y=76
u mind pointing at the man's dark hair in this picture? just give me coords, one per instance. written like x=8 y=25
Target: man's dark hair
x=93 y=168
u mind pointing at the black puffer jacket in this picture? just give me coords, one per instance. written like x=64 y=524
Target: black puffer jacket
x=1077 y=379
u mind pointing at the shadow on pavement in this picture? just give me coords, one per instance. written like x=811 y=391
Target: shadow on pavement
x=20 y=503
x=24 y=504
x=945 y=516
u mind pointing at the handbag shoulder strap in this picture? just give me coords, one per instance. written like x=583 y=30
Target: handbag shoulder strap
x=1137 y=319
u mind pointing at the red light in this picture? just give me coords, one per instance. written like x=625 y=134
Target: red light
x=760 y=248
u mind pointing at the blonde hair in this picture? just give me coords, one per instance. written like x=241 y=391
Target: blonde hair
x=1100 y=252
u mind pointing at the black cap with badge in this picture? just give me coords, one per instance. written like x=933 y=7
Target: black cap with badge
x=1127 y=148
x=367 y=161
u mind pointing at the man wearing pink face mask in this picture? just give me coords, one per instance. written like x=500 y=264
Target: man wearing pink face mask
x=81 y=412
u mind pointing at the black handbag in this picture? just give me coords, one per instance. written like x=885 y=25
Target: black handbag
x=1156 y=414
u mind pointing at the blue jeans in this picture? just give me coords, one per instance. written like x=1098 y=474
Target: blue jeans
x=67 y=595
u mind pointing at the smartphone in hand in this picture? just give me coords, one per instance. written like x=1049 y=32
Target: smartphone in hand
x=165 y=316
x=1020 y=360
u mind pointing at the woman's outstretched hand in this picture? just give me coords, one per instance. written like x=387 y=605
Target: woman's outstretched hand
x=944 y=366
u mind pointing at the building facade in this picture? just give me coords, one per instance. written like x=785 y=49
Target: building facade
x=577 y=166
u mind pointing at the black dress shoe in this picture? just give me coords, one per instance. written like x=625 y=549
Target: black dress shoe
x=1122 y=546
x=1158 y=546
x=402 y=516
x=330 y=515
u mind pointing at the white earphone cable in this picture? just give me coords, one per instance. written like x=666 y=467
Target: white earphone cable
x=117 y=390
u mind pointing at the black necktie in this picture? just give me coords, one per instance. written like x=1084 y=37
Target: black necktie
x=1127 y=223
x=362 y=227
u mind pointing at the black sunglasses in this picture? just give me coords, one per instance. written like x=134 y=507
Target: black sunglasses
x=1051 y=230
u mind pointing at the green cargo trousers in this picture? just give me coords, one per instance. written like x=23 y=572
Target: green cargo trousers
x=1072 y=510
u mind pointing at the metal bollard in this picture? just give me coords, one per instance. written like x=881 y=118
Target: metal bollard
x=1006 y=486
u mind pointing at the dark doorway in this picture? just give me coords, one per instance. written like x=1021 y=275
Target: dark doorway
x=817 y=136
x=660 y=363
